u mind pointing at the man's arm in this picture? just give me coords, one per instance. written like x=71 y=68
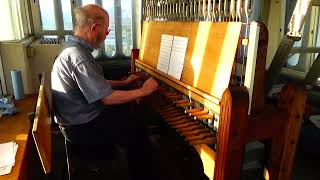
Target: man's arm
x=120 y=97
x=116 y=84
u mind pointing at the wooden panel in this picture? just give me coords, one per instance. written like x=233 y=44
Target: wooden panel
x=41 y=129
x=231 y=133
x=150 y=43
x=207 y=156
x=210 y=52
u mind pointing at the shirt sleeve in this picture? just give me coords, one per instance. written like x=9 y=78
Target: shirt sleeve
x=91 y=81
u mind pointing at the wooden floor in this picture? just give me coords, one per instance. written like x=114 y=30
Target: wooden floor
x=16 y=128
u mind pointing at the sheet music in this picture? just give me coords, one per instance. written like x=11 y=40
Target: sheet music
x=178 y=53
x=165 y=51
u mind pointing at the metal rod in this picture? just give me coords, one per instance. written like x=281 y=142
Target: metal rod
x=204 y=9
x=239 y=10
x=225 y=10
x=209 y=11
x=214 y=11
x=220 y=10
x=233 y=10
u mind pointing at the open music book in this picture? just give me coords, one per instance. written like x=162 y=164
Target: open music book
x=172 y=54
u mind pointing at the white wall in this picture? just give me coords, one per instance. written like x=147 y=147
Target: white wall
x=275 y=28
x=42 y=61
x=14 y=56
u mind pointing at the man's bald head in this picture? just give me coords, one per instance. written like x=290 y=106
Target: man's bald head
x=89 y=14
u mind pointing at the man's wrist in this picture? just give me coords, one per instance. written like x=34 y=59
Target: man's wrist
x=127 y=81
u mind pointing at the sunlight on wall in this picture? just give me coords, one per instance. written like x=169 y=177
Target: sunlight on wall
x=199 y=50
x=226 y=59
x=144 y=39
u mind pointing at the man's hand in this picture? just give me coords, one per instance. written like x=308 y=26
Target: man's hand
x=150 y=86
x=132 y=78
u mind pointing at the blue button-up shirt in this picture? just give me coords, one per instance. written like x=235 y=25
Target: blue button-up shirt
x=78 y=84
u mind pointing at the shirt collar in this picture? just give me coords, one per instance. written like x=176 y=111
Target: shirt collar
x=79 y=41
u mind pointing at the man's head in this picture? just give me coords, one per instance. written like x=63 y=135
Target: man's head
x=92 y=24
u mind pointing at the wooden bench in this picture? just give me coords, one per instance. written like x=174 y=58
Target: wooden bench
x=41 y=130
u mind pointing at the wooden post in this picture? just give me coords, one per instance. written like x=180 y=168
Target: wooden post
x=231 y=133
x=134 y=56
x=297 y=101
x=258 y=96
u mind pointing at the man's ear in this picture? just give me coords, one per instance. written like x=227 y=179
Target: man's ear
x=93 y=27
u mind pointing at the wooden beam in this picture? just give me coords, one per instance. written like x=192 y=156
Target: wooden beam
x=278 y=61
x=316 y=3
x=314 y=72
x=305 y=50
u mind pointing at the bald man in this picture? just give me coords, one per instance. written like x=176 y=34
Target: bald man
x=84 y=103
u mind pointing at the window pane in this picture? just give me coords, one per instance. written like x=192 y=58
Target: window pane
x=85 y=2
x=126 y=18
x=47 y=15
x=7 y=31
x=293 y=60
x=110 y=42
x=67 y=18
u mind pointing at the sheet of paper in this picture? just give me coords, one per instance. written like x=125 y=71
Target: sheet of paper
x=165 y=51
x=178 y=53
x=7 y=154
x=5 y=170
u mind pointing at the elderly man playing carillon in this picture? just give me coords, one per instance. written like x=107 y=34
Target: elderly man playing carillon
x=86 y=105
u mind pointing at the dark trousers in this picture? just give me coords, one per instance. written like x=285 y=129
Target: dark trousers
x=116 y=125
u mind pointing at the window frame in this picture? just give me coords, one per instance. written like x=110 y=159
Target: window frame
x=308 y=47
x=20 y=19
x=135 y=28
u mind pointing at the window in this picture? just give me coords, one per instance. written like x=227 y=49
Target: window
x=48 y=20
x=67 y=15
x=126 y=26
x=56 y=18
x=15 y=20
x=305 y=51
x=110 y=42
